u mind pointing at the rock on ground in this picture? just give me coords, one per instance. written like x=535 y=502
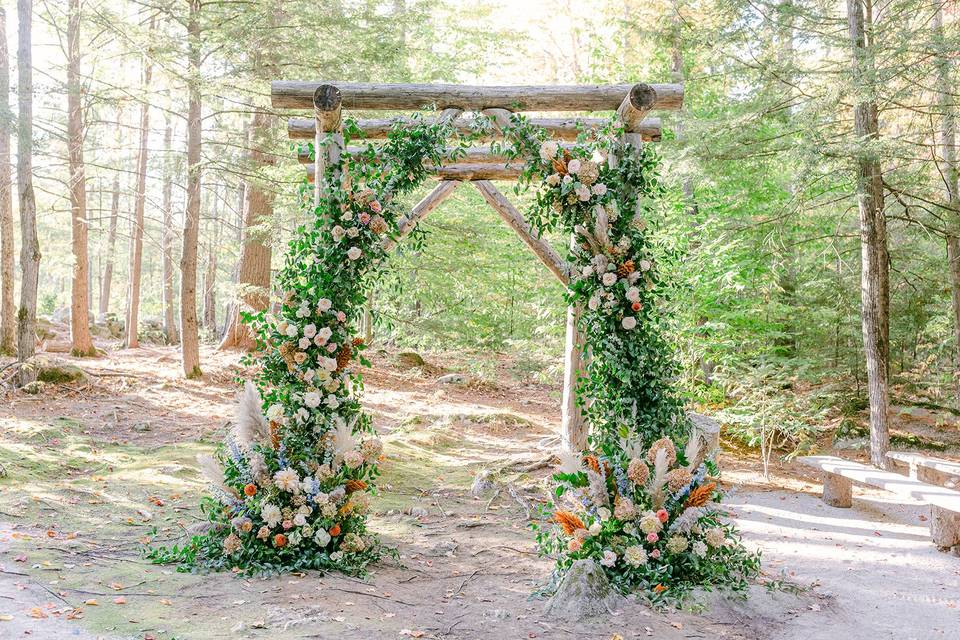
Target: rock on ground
x=583 y=592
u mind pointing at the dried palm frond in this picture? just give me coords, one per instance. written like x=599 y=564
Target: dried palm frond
x=570 y=463
x=569 y=521
x=692 y=451
x=701 y=495
x=658 y=478
x=212 y=472
x=343 y=439
x=251 y=425
x=601 y=227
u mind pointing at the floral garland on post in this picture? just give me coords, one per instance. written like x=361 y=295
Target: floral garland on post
x=647 y=512
x=291 y=484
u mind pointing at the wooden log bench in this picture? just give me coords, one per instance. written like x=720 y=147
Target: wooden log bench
x=839 y=476
x=926 y=469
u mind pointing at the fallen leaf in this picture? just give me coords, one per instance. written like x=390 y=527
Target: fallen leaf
x=116 y=586
x=119 y=600
x=676 y=625
x=5 y=617
x=411 y=634
x=38 y=613
x=92 y=602
x=166 y=602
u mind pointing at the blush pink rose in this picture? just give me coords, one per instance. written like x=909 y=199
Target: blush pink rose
x=655 y=554
x=652 y=537
x=341 y=316
x=364 y=218
x=332 y=347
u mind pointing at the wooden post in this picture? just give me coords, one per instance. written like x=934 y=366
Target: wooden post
x=326 y=106
x=837 y=490
x=573 y=426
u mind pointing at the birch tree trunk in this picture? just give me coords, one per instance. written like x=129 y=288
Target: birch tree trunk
x=8 y=323
x=111 y=246
x=81 y=342
x=874 y=278
x=253 y=286
x=30 y=244
x=132 y=323
x=190 y=338
x=169 y=324
x=951 y=178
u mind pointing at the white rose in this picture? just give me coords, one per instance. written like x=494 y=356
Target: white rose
x=587 y=271
x=567 y=179
x=645 y=265
x=604 y=513
x=599 y=189
x=325 y=333
x=628 y=322
x=594 y=528
x=275 y=412
x=304 y=344
x=338 y=233
x=323 y=305
x=311 y=399
x=310 y=330
x=573 y=166
x=321 y=538
x=354 y=253
x=609 y=558
x=353 y=232
x=332 y=402
x=347 y=215
x=609 y=279
x=583 y=192
x=292 y=331
x=330 y=364
x=633 y=294
x=548 y=150
x=303 y=312
x=299 y=520
x=553 y=179
x=594 y=303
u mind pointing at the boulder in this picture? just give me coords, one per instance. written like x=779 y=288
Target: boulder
x=583 y=592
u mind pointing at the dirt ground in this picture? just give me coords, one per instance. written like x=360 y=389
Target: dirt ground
x=95 y=468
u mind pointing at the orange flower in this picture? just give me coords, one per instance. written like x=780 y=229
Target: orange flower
x=660 y=588
x=701 y=495
x=279 y=540
x=592 y=461
x=250 y=490
x=636 y=306
x=568 y=521
x=334 y=530
x=355 y=485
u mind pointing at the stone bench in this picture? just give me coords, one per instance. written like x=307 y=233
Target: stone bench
x=839 y=476
x=927 y=469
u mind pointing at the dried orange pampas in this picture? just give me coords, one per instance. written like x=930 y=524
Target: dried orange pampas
x=568 y=521
x=354 y=485
x=701 y=495
x=592 y=463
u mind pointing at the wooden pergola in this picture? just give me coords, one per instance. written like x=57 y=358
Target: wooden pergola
x=479 y=166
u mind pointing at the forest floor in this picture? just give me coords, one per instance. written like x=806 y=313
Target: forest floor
x=94 y=468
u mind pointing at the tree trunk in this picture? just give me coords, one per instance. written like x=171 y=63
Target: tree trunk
x=874 y=278
x=951 y=178
x=169 y=324
x=111 y=246
x=190 y=338
x=81 y=342
x=253 y=287
x=8 y=323
x=210 y=270
x=30 y=244
x=132 y=323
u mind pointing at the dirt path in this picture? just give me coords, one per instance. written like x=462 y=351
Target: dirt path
x=98 y=467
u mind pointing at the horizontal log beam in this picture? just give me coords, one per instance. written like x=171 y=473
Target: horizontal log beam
x=649 y=129
x=466 y=172
x=471 y=155
x=286 y=94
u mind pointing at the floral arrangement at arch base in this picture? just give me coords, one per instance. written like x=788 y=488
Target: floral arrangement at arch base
x=647 y=512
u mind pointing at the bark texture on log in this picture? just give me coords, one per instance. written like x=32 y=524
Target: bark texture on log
x=189 y=329
x=30 y=244
x=874 y=279
x=461 y=172
x=573 y=425
x=558 y=128
x=8 y=322
x=470 y=155
x=637 y=104
x=288 y=94
x=540 y=248
x=328 y=141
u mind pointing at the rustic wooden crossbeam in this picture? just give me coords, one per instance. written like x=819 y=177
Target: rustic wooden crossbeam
x=649 y=129
x=287 y=94
x=462 y=172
